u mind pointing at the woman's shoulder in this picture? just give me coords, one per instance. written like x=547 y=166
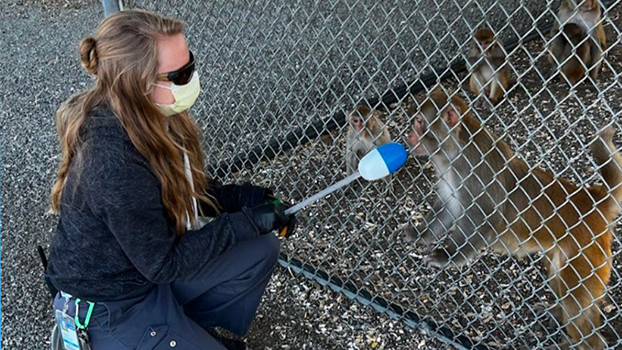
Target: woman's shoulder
x=102 y=123
x=104 y=139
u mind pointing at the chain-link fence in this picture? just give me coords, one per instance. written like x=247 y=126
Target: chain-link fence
x=280 y=78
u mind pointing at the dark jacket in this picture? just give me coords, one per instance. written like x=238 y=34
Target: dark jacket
x=113 y=240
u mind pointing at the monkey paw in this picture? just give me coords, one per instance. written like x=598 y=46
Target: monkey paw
x=437 y=259
x=553 y=315
x=410 y=233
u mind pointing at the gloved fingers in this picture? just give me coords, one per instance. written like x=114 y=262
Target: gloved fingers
x=290 y=227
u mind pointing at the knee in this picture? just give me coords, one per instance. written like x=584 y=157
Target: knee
x=269 y=246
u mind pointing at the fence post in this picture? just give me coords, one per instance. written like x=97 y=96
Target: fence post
x=111 y=6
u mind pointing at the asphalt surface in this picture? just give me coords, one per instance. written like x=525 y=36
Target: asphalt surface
x=39 y=70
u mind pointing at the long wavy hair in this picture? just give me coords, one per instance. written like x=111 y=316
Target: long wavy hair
x=123 y=58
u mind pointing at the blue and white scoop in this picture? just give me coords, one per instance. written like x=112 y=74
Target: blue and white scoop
x=380 y=162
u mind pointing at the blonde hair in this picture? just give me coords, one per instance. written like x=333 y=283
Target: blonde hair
x=123 y=58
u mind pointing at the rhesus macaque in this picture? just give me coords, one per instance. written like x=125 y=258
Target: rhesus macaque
x=582 y=30
x=365 y=132
x=490 y=197
x=487 y=65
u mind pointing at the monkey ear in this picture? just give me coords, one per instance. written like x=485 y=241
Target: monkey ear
x=451 y=117
x=363 y=110
x=437 y=90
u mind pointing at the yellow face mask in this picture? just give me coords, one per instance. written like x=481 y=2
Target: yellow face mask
x=185 y=96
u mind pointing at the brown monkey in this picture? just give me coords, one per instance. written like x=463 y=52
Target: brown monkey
x=573 y=64
x=365 y=132
x=487 y=66
x=490 y=197
x=582 y=29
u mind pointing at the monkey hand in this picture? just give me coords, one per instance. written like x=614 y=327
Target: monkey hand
x=410 y=233
x=437 y=259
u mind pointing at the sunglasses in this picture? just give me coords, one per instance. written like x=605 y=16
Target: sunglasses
x=181 y=76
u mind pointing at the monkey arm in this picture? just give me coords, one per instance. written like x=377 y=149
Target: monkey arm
x=351 y=162
x=557 y=41
x=438 y=222
x=594 y=52
x=602 y=37
x=472 y=233
x=554 y=30
x=473 y=59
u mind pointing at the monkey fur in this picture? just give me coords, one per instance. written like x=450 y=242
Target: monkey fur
x=490 y=197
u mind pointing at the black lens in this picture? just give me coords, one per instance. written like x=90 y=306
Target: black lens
x=184 y=74
x=183 y=77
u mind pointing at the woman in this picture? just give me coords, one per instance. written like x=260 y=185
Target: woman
x=132 y=253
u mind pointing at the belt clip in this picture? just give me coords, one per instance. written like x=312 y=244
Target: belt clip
x=87 y=318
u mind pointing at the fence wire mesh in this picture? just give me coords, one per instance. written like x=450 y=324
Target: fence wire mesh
x=279 y=79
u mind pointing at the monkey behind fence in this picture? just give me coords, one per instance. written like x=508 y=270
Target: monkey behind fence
x=487 y=65
x=490 y=197
x=581 y=31
x=366 y=131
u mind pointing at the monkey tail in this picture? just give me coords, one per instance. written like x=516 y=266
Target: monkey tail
x=609 y=159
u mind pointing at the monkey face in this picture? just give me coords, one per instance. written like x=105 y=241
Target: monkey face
x=433 y=125
x=415 y=134
x=357 y=122
x=485 y=44
x=483 y=39
x=358 y=116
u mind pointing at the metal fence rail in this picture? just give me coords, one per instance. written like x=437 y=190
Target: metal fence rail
x=277 y=75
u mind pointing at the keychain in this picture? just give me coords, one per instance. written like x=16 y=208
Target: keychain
x=82 y=334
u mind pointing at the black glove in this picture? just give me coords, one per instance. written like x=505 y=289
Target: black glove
x=232 y=198
x=269 y=216
x=290 y=226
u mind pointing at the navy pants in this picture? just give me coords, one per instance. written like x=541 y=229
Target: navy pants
x=224 y=293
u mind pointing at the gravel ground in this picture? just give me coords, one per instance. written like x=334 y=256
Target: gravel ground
x=264 y=75
x=492 y=302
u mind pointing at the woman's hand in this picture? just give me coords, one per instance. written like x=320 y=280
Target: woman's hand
x=271 y=216
x=231 y=198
